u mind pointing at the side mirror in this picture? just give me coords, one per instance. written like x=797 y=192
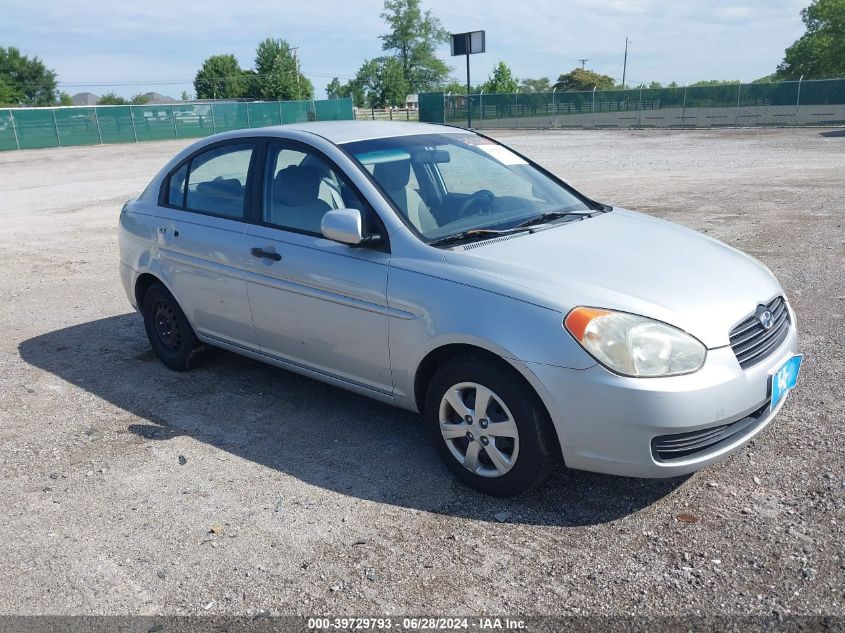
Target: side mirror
x=345 y=226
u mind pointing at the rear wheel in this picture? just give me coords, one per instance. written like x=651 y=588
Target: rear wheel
x=171 y=336
x=489 y=427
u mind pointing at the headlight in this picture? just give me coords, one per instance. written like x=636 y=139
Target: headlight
x=634 y=345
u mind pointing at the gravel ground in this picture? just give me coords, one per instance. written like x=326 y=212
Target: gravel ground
x=237 y=488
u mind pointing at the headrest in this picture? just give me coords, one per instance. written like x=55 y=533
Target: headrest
x=229 y=187
x=394 y=174
x=296 y=185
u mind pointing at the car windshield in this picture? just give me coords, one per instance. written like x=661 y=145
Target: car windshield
x=447 y=184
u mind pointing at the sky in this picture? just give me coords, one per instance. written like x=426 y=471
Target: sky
x=158 y=45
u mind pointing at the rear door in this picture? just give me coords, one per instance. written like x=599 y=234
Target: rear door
x=202 y=221
x=315 y=303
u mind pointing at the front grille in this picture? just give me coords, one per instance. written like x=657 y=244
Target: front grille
x=751 y=342
x=680 y=445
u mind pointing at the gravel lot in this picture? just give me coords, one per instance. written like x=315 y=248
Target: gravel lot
x=238 y=487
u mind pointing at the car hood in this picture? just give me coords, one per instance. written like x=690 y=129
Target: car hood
x=627 y=261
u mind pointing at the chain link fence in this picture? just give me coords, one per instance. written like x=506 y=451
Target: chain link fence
x=816 y=102
x=32 y=128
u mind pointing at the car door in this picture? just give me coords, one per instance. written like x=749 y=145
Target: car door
x=315 y=303
x=202 y=221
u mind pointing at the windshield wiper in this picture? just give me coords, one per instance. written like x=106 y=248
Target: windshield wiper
x=465 y=235
x=522 y=227
x=548 y=217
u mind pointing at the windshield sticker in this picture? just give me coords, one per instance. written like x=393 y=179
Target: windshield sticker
x=502 y=154
x=477 y=140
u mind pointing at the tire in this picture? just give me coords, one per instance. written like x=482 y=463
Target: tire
x=508 y=463
x=171 y=336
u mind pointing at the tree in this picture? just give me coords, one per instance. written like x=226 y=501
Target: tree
x=543 y=84
x=767 y=79
x=820 y=52
x=186 y=96
x=714 y=82
x=111 y=98
x=139 y=99
x=334 y=89
x=456 y=87
x=64 y=99
x=220 y=77
x=337 y=90
x=413 y=40
x=277 y=73
x=382 y=82
x=583 y=79
x=25 y=81
x=501 y=80
x=7 y=93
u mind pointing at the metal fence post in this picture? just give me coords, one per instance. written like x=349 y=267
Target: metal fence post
x=132 y=118
x=798 y=101
x=640 y=108
x=14 y=129
x=738 y=93
x=56 y=125
x=173 y=116
x=246 y=107
x=281 y=122
x=97 y=121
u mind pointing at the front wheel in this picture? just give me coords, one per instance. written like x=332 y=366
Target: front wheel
x=489 y=427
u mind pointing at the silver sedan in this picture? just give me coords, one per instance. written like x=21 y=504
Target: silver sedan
x=438 y=270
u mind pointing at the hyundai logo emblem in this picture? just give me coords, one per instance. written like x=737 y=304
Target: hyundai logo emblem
x=766 y=318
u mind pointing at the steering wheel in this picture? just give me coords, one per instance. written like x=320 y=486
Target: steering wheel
x=479 y=202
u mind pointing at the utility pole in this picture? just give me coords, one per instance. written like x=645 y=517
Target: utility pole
x=625 y=64
x=583 y=63
x=295 y=50
x=469 y=101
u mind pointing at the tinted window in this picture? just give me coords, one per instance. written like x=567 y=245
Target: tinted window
x=176 y=191
x=217 y=181
x=301 y=187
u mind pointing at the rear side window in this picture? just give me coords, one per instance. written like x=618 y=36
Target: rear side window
x=215 y=183
x=176 y=190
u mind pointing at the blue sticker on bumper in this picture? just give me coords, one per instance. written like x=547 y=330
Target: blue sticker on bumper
x=785 y=378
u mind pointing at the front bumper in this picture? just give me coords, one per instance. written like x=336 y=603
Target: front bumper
x=607 y=423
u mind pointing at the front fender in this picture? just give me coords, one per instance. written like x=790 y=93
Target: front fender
x=429 y=312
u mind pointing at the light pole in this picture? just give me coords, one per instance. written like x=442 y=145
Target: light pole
x=625 y=64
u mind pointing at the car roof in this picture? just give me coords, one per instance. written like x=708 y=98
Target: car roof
x=339 y=132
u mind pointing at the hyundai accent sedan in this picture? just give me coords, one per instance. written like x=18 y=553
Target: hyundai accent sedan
x=438 y=270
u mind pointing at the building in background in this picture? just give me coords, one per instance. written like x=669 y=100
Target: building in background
x=85 y=99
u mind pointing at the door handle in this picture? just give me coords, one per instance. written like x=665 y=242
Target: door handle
x=258 y=252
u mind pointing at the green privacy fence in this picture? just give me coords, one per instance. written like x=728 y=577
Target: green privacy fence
x=33 y=128
x=759 y=103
